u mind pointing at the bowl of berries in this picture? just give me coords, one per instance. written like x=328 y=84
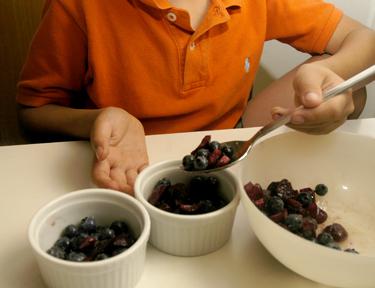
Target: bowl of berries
x=191 y=213
x=310 y=202
x=90 y=238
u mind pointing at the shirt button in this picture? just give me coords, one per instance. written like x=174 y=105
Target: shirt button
x=217 y=11
x=192 y=46
x=171 y=17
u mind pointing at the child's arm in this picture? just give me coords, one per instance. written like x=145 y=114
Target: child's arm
x=349 y=38
x=117 y=138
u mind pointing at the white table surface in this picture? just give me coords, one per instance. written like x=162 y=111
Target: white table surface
x=32 y=175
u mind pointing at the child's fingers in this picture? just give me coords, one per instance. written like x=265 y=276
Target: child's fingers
x=319 y=119
x=333 y=110
x=101 y=175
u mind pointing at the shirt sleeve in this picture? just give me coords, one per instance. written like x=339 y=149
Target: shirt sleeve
x=307 y=25
x=55 y=67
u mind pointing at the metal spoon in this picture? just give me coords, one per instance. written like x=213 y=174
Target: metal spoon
x=242 y=148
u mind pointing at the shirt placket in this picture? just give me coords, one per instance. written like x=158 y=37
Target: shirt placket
x=194 y=45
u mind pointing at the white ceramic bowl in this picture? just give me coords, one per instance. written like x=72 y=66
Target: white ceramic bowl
x=346 y=164
x=187 y=235
x=122 y=270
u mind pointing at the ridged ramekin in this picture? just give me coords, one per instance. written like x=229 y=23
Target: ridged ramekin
x=187 y=235
x=123 y=270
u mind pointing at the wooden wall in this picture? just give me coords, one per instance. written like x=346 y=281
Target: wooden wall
x=18 y=21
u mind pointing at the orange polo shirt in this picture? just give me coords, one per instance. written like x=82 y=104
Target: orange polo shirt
x=143 y=56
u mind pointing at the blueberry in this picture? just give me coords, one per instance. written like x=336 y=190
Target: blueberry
x=305 y=198
x=200 y=163
x=188 y=162
x=321 y=189
x=57 y=252
x=63 y=243
x=293 y=222
x=118 y=251
x=206 y=206
x=324 y=238
x=164 y=181
x=197 y=186
x=227 y=150
x=101 y=256
x=70 y=231
x=213 y=145
x=88 y=224
x=203 y=152
x=119 y=227
x=76 y=256
x=75 y=242
x=106 y=233
x=274 y=205
x=211 y=187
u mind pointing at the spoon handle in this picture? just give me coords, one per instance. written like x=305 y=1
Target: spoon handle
x=357 y=81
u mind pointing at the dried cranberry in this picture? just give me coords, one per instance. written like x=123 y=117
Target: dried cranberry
x=284 y=190
x=214 y=157
x=157 y=193
x=260 y=203
x=337 y=231
x=254 y=191
x=321 y=216
x=204 y=143
x=224 y=160
x=293 y=205
x=312 y=209
x=279 y=217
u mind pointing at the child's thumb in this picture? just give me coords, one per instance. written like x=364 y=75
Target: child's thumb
x=308 y=89
x=100 y=140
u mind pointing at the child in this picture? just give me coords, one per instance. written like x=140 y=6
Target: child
x=111 y=71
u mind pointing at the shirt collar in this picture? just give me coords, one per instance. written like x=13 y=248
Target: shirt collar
x=164 y=4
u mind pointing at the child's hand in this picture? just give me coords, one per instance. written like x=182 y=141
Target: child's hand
x=318 y=117
x=118 y=140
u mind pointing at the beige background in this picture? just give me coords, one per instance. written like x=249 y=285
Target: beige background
x=18 y=21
